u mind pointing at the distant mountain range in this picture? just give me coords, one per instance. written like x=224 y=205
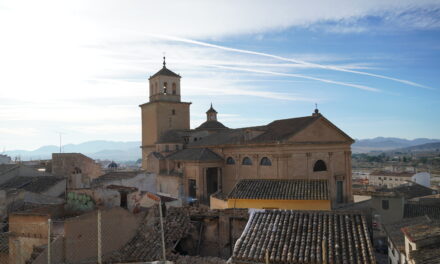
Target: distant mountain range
x=389 y=143
x=99 y=149
x=432 y=147
x=130 y=150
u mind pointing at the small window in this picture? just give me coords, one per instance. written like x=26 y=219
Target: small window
x=177 y=147
x=265 y=162
x=174 y=88
x=247 y=161
x=167 y=148
x=230 y=161
x=320 y=166
x=385 y=204
x=173 y=112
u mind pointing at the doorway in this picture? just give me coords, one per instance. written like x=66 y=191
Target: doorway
x=192 y=189
x=212 y=184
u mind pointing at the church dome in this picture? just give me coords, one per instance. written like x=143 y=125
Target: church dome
x=112 y=165
x=211 y=125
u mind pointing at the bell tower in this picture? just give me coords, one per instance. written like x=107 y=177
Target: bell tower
x=164 y=111
x=165 y=85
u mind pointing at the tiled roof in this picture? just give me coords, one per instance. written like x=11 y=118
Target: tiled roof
x=413 y=209
x=211 y=125
x=278 y=130
x=146 y=245
x=174 y=136
x=195 y=154
x=7 y=167
x=4 y=242
x=282 y=129
x=395 y=233
x=420 y=232
x=115 y=175
x=304 y=237
x=426 y=255
x=35 y=184
x=280 y=189
x=412 y=190
x=165 y=72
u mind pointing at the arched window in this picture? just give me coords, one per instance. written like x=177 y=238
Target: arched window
x=230 y=161
x=320 y=166
x=165 y=85
x=76 y=170
x=265 y=162
x=247 y=161
x=174 y=88
x=173 y=112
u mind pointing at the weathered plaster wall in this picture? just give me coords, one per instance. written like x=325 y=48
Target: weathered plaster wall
x=118 y=226
x=280 y=204
x=64 y=164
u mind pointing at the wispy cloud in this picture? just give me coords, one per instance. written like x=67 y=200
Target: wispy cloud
x=315 y=65
x=358 y=86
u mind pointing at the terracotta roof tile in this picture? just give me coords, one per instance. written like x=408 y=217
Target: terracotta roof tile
x=280 y=189
x=35 y=184
x=414 y=209
x=211 y=125
x=395 y=233
x=304 y=237
x=426 y=255
x=412 y=190
x=165 y=72
x=195 y=154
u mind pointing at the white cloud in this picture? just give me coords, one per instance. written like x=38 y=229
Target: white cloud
x=59 y=56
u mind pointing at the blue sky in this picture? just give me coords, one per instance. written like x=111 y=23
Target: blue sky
x=80 y=68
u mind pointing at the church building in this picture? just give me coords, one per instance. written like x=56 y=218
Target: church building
x=194 y=164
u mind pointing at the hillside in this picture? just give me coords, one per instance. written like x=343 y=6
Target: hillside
x=98 y=149
x=388 y=144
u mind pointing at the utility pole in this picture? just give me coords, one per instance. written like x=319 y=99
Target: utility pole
x=60 y=140
x=158 y=199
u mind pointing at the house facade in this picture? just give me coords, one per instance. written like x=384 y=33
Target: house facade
x=390 y=179
x=196 y=163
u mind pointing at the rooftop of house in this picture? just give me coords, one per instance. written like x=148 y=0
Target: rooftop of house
x=286 y=236
x=411 y=190
x=426 y=255
x=195 y=154
x=115 y=175
x=280 y=189
x=36 y=184
x=392 y=173
x=4 y=168
x=395 y=233
x=425 y=234
x=420 y=208
x=146 y=244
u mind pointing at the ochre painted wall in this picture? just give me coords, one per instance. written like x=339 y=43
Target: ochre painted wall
x=280 y=204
